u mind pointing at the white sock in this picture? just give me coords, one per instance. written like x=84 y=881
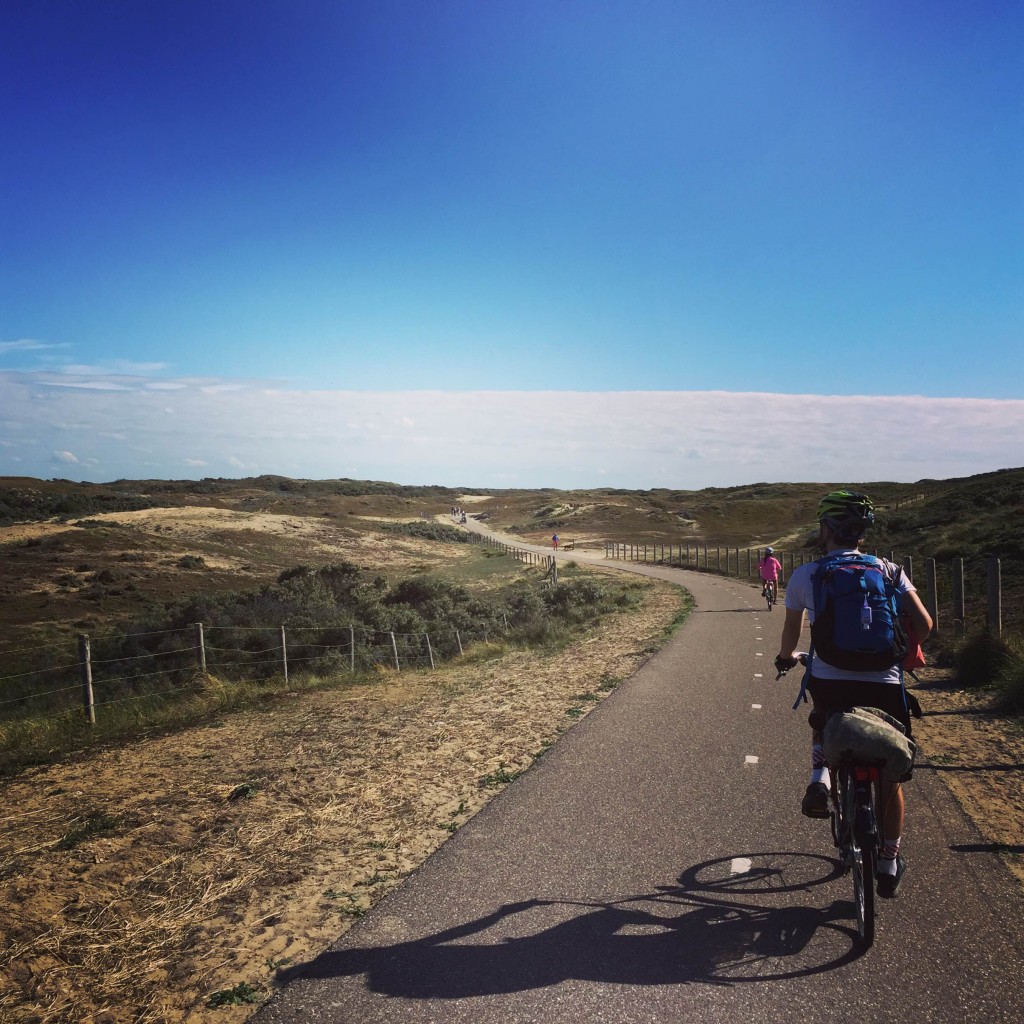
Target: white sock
x=821 y=775
x=887 y=858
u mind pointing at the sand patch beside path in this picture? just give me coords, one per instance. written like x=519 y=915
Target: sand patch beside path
x=979 y=755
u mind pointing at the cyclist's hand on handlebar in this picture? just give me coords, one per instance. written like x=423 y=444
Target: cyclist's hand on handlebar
x=783 y=665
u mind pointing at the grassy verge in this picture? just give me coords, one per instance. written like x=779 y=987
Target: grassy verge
x=522 y=613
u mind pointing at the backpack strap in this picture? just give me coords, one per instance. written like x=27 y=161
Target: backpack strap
x=802 y=695
x=913 y=704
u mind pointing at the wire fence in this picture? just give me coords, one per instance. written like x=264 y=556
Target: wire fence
x=98 y=677
x=959 y=593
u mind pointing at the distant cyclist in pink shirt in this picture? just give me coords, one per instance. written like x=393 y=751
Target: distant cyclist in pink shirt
x=769 y=568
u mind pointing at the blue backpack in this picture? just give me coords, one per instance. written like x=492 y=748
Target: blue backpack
x=857 y=614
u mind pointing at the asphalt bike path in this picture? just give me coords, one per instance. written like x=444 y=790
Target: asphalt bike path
x=653 y=865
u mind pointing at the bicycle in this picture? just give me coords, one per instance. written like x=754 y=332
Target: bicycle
x=855 y=793
x=768 y=593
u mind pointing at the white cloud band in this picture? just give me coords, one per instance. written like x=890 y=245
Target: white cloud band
x=124 y=427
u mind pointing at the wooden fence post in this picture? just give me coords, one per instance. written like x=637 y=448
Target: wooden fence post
x=430 y=650
x=933 y=592
x=995 y=597
x=959 y=611
x=394 y=651
x=458 y=640
x=908 y=567
x=352 y=649
x=284 y=655
x=200 y=647
x=85 y=664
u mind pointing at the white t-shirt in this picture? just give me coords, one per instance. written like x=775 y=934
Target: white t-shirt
x=800 y=597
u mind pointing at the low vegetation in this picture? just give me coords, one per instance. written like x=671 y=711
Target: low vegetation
x=984 y=661
x=80 y=573
x=323 y=608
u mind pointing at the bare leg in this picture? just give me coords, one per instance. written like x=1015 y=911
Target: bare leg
x=893 y=810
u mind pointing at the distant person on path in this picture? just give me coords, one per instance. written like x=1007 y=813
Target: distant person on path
x=843 y=519
x=769 y=568
x=554 y=541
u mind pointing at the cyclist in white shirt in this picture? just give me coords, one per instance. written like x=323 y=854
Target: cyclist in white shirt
x=843 y=518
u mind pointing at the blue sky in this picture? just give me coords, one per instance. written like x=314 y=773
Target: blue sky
x=366 y=209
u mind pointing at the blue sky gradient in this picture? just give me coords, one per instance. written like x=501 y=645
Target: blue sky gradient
x=463 y=197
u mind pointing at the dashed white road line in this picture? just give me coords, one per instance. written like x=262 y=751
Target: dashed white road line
x=755 y=707
x=750 y=759
x=740 y=865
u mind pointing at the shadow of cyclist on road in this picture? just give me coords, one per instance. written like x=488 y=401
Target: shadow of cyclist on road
x=675 y=935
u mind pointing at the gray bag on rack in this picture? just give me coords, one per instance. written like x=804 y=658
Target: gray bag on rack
x=869 y=734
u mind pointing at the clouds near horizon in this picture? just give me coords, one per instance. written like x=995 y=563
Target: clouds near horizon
x=136 y=427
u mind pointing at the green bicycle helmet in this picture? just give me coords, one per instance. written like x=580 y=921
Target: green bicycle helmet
x=847 y=513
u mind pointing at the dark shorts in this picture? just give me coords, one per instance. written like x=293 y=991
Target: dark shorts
x=830 y=694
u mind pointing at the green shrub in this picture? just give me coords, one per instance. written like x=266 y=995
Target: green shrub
x=425 y=530
x=1010 y=679
x=579 y=600
x=979 y=659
